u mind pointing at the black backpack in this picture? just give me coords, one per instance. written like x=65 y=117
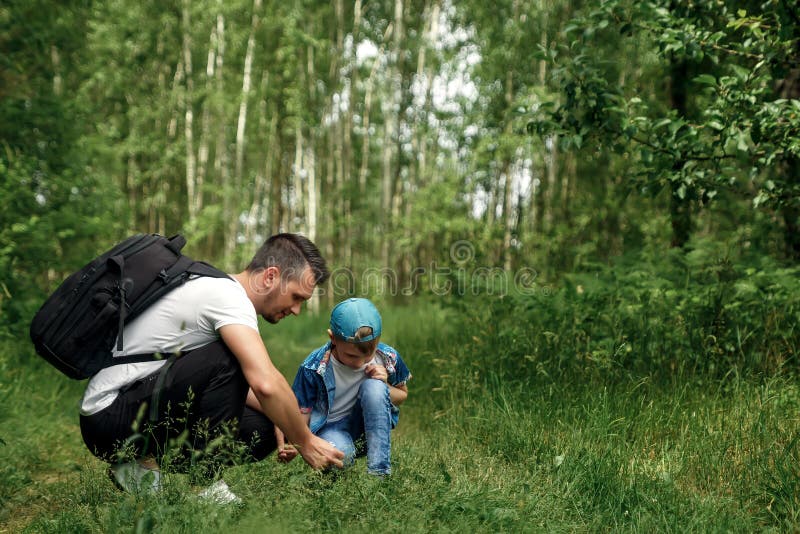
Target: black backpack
x=76 y=327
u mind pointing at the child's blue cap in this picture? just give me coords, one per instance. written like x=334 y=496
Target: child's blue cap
x=350 y=315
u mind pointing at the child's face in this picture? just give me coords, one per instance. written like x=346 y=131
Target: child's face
x=350 y=354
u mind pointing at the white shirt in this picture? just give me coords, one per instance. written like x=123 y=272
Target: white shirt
x=184 y=319
x=347 y=381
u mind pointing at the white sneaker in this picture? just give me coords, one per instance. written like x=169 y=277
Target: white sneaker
x=220 y=493
x=133 y=477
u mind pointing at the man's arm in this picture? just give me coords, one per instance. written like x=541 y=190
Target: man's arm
x=287 y=451
x=275 y=397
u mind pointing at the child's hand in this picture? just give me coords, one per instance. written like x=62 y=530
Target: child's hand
x=377 y=372
x=286 y=451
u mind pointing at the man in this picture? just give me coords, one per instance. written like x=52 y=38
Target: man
x=210 y=325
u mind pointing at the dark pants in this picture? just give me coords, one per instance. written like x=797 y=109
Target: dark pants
x=203 y=394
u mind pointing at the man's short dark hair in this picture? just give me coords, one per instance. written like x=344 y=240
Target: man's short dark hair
x=291 y=253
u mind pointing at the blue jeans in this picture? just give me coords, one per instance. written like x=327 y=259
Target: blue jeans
x=371 y=418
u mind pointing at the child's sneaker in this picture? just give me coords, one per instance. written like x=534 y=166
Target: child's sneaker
x=133 y=477
x=220 y=493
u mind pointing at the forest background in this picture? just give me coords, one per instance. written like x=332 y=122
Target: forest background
x=583 y=219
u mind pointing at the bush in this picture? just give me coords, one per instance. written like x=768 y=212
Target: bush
x=694 y=312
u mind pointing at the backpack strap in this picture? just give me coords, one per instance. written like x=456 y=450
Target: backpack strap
x=135 y=358
x=204 y=269
x=117 y=263
x=186 y=264
x=176 y=243
x=176 y=275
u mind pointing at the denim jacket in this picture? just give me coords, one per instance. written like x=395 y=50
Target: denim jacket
x=315 y=387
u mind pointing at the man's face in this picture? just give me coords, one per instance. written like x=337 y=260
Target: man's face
x=284 y=298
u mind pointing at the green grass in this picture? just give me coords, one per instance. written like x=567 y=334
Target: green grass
x=544 y=453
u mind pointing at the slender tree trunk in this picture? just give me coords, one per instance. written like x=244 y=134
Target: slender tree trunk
x=188 y=126
x=556 y=180
x=258 y=205
x=508 y=212
x=417 y=120
x=427 y=106
x=160 y=197
x=221 y=157
x=328 y=213
x=203 y=149
x=333 y=193
x=354 y=79
x=368 y=93
x=246 y=85
x=297 y=169
x=508 y=167
x=508 y=184
x=241 y=125
x=311 y=167
x=177 y=79
x=276 y=220
x=550 y=153
x=546 y=185
x=391 y=114
x=491 y=201
x=269 y=172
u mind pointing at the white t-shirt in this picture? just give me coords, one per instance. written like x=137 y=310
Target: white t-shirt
x=184 y=319
x=347 y=381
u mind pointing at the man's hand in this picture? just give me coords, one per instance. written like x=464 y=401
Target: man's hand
x=377 y=372
x=286 y=451
x=320 y=454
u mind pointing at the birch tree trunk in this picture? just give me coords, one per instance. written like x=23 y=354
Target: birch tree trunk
x=311 y=167
x=241 y=124
x=391 y=114
x=188 y=125
x=296 y=206
x=368 y=93
x=508 y=213
x=246 y=85
x=508 y=183
x=331 y=185
x=509 y=175
x=309 y=161
x=354 y=79
x=202 y=150
x=221 y=158
x=158 y=197
x=428 y=74
x=259 y=205
x=552 y=178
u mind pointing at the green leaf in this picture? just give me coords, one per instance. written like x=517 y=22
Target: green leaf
x=706 y=79
x=741 y=142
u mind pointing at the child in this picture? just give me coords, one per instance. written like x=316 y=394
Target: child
x=351 y=387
